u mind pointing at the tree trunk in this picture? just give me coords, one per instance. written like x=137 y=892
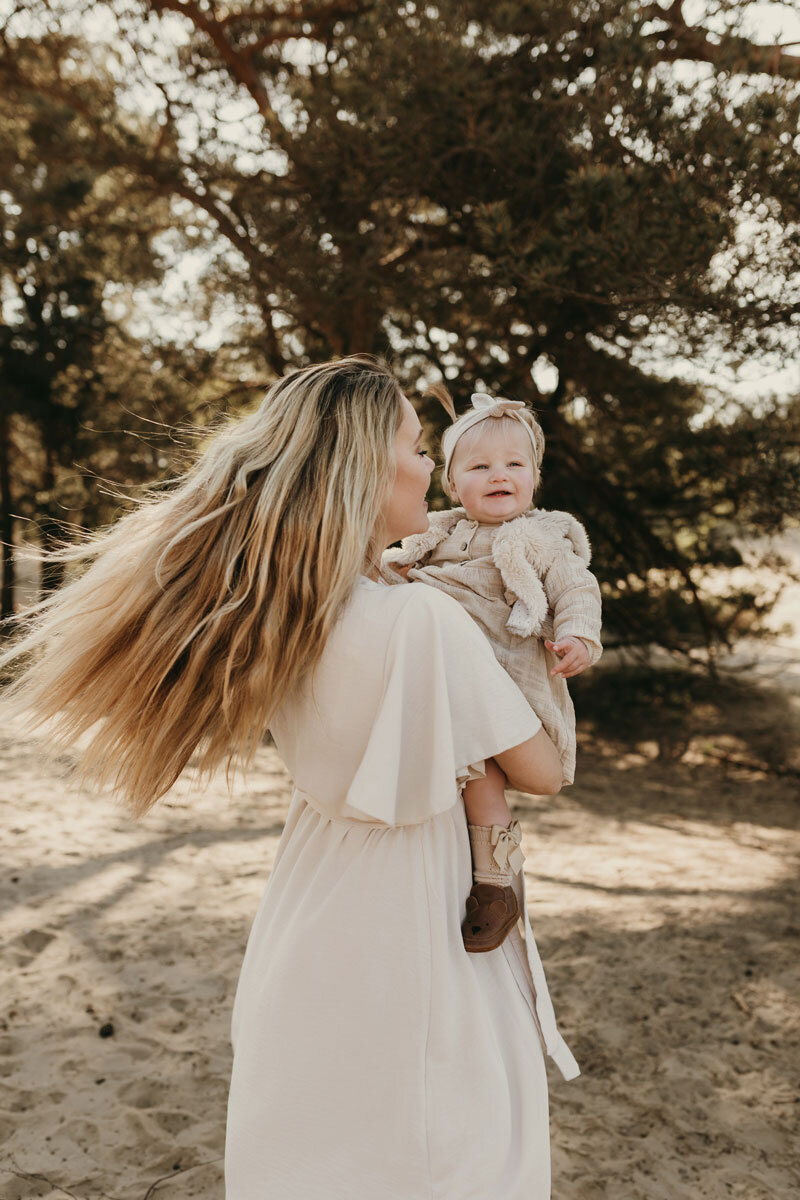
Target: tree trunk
x=52 y=572
x=7 y=580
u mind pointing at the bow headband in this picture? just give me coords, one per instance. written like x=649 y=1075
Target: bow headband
x=484 y=406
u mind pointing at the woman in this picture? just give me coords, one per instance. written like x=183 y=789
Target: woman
x=373 y=1056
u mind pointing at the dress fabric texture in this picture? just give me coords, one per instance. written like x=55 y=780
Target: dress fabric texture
x=373 y=1056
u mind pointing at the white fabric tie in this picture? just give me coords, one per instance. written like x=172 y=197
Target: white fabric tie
x=507 y=849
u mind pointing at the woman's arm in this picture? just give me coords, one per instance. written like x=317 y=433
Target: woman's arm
x=533 y=766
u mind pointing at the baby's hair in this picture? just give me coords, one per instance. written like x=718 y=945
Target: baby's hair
x=472 y=434
x=440 y=393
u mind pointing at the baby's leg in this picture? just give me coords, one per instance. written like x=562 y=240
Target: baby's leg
x=491 y=909
x=485 y=799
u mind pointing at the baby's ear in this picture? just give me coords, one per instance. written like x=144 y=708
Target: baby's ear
x=448 y=488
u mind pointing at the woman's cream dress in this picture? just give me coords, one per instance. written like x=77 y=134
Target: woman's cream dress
x=374 y=1058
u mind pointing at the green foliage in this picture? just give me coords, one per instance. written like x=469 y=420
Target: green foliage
x=481 y=190
x=80 y=395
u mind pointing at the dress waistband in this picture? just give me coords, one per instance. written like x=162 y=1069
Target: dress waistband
x=531 y=980
x=333 y=811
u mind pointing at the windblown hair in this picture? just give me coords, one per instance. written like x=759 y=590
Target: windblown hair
x=508 y=425
x=203 y=606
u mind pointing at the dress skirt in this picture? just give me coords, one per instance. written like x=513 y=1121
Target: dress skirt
x=374 y=1058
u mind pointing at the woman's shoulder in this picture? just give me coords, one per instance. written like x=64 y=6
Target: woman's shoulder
x=430 y=622
x=410 y=598
x=385 y=603
x=412 y=604
x=424 y=597
x=385 y=627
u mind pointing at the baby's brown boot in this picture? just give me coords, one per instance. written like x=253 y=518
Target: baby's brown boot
x=492 y=908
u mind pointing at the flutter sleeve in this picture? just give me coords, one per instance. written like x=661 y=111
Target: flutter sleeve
x=446 y=706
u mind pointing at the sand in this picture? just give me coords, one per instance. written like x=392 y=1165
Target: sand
x=664 y=897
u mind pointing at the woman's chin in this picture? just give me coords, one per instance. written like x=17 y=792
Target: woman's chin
x=423 y=524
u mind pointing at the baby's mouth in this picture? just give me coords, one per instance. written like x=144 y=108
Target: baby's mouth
x=499 y=493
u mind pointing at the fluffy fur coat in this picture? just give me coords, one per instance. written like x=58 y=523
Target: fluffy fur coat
x=524 y=549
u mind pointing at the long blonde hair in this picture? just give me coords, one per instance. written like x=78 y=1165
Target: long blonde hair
x=203 y=606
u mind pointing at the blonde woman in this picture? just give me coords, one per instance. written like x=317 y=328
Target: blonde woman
x=372 y=1055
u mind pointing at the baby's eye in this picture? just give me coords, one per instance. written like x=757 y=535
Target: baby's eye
x=424 y=450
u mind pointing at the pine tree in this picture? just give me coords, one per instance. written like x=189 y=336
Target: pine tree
x=488 y=190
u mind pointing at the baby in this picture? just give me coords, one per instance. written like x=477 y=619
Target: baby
x=522 y=574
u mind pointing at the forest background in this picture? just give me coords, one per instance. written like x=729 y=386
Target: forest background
x=589 y=206
x=592 y=207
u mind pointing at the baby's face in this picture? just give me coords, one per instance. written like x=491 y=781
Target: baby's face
x=497 y=460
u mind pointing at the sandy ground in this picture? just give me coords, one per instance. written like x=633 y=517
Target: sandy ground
x=664 y=897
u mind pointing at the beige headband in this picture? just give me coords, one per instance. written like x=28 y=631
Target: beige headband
x=483 y=406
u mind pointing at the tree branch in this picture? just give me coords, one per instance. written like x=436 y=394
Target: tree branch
x=239 y=65
x=298 y=13
x=290 y=23
x=732 y=53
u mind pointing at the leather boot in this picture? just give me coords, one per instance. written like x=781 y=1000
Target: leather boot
x=492 y=908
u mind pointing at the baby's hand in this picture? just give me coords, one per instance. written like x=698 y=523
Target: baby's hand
x=576 y=656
